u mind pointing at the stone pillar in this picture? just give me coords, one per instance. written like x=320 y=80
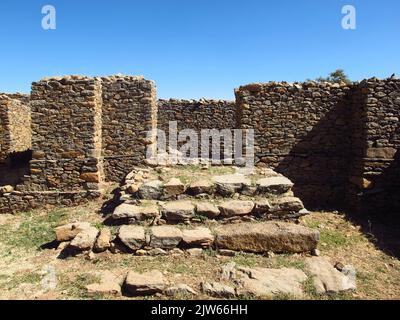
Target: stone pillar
x=66 y=142
x=129 y=112
x=15 y=128
x=375 y=170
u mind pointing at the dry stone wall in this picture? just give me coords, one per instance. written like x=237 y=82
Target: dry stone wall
x=375 y=165
x=196 y=115
x=337 y=142
x=303 y=131
x=66 y=141
x=129 y=112
x=15 y=118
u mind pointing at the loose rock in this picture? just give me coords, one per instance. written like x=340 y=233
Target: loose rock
x=236 y=208
x=132 y=236
x=165 y=237
x=85 y=239
x=198 y=237
x=69 y=231
x=327 y=279
x=152 y=190
x=207 y=209
x=147 y=283
x=218 y=290
x=266 y=236
x=178 y=210
x=103 y=240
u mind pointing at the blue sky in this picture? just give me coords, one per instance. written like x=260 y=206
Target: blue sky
x=197 y=48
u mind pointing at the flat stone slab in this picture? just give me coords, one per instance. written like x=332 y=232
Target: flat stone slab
x=200 y=236
x=207 y=209
x=151 y=190
x=274 y=185
x=178 y=210
x=131 y=211
x=201 y=186
x=139 y=284
x=219 y=290
x=174 y=187
x=236 y=208
x=69 y=231
x=262 y=237
x=103 y=241
x=179 y=289
x=286 y=205
x=165 y=237
x=228 y=184
x=328 y=279
x=85 y=239
x=109 y=284
x=268 y=282
x=132 y=236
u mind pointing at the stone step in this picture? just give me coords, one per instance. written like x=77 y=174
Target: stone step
x=261 y=237
x=148 y=187
x=178 y=211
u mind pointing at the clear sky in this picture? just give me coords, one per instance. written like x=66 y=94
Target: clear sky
x=197 y=48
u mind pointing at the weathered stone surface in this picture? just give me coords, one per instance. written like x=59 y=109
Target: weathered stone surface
x=201 y=186
x=6 y=189
x=327 y=279
x=179 y=289
x=139 y=213
x=174 y=187
x=85 y=239
x=178 y=210
x=274 y=185
x=207 y=209
x=198 y=237
x=103 y=240
x=266 y=236
x=286 y=205
x=218 y=290
x=69 y=231
x=147 y=283
x=228 y=184
x=165 y=237
x=266 y=282
x=381 y=153
x=109 y=284
x=151 y=190
x=236 y=208
x=132 y=236
x=261 y=207
x=132 y=188
x=90 y=177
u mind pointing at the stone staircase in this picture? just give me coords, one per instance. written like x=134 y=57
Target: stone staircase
x=235 y=210
x=190 y=212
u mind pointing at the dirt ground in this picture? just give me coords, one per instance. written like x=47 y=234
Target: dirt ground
x=25 y=264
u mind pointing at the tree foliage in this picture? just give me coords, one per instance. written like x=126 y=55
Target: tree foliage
x=336 y=76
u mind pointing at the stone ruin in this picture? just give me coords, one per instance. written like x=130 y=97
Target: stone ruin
x=337 y=142
x=317 y=145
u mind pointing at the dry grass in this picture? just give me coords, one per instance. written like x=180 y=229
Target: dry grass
x=22 y=260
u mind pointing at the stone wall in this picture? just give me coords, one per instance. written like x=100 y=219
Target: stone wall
x=15 y=119
x=129 y=112
x=337 y=142
x=66 y=135
x=196 y=115
x=303 y=131
x=375 y=165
